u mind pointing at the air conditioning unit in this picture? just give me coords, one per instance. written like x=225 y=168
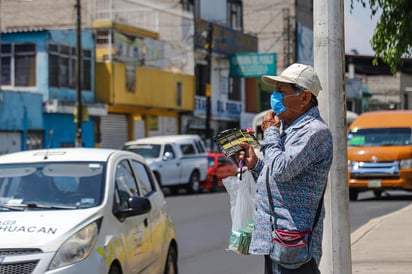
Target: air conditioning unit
x=51 y=106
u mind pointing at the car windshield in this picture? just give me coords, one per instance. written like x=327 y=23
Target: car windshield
x=50 y=185
x=380 y=137
x=211 y=161
x=145 y=150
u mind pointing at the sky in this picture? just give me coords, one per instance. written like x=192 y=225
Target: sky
x=359 y=28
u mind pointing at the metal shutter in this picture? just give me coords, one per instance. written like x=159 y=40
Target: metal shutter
x=10 y=142
x=114 y=131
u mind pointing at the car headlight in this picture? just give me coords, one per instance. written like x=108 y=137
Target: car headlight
x=77 y=247
x=407 y=163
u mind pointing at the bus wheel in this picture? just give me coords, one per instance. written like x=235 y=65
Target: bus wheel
x=353 y=194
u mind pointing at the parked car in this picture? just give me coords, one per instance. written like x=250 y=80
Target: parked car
x=380 y=152
x=178 y=161
x=83 y=210
x=219 y=167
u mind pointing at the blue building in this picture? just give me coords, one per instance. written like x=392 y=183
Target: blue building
x=38 y=90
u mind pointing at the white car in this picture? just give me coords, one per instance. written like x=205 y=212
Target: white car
x=177 y=161
x=83 y=210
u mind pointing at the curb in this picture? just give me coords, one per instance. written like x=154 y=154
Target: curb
x=359 y=233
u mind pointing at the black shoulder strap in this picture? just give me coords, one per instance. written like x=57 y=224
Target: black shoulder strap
x=272 y=206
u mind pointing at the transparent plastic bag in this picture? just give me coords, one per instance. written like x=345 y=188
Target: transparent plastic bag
x=241 y=190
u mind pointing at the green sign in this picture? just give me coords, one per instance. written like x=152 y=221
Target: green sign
x=252 y=65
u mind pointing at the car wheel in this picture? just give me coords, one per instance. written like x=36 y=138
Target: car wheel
x=115 y=269
x=174 y=190
x=353 y=195
x=377 y=193
x=171 y=261
x=194 y=183
x=215 y=184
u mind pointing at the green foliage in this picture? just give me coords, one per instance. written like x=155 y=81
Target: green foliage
x=392 y=39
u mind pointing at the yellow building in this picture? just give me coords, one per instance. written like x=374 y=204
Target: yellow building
x=145 y=89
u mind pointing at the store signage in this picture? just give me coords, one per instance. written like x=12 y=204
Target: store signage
x=251 y=65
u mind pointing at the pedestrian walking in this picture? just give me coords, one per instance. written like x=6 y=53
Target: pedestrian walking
x=292 y=169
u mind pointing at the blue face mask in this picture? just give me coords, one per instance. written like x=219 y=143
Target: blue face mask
x=276 y=102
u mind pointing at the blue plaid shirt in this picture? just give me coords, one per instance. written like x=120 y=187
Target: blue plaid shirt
x=299 y=159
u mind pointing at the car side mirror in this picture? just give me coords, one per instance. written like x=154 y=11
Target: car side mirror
x=136 y=206
x=167 y=156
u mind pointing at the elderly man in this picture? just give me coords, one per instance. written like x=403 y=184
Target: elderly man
x=296 y=158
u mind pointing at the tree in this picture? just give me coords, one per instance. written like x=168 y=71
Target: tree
x=392 y=39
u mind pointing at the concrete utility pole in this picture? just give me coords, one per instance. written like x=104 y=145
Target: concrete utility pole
x=329 y=63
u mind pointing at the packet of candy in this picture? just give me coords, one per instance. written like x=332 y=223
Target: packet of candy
x=229 y=139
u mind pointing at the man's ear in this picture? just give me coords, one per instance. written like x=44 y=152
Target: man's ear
x=306 y=98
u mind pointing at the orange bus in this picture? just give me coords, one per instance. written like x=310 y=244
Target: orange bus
x=380 y=152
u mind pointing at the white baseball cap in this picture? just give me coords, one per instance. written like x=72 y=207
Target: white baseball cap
x=301 y=75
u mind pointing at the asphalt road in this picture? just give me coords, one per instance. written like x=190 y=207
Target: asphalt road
x=203 y=227
x=368 y=207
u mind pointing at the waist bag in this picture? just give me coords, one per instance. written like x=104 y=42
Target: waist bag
x=290 y=249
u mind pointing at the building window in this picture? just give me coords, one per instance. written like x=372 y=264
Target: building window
x=62 y=67
x=201 y=79
x=18 y=65
x=34 y=139
x=87 y=70
x=102 y=37
x=234 y=14
x=179 y=88
x=234 y=88
x=192 y=6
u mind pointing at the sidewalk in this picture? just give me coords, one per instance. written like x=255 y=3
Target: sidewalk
x=384 y=244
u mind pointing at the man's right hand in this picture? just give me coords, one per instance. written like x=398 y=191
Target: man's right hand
x=248 y=155
x=270 y=119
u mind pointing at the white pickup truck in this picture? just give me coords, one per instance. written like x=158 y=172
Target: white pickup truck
x=176 y=160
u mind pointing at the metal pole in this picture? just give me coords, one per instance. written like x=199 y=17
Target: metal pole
x=1 y=25
x=209 y=83
x=78 y=142
x=329 y=61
